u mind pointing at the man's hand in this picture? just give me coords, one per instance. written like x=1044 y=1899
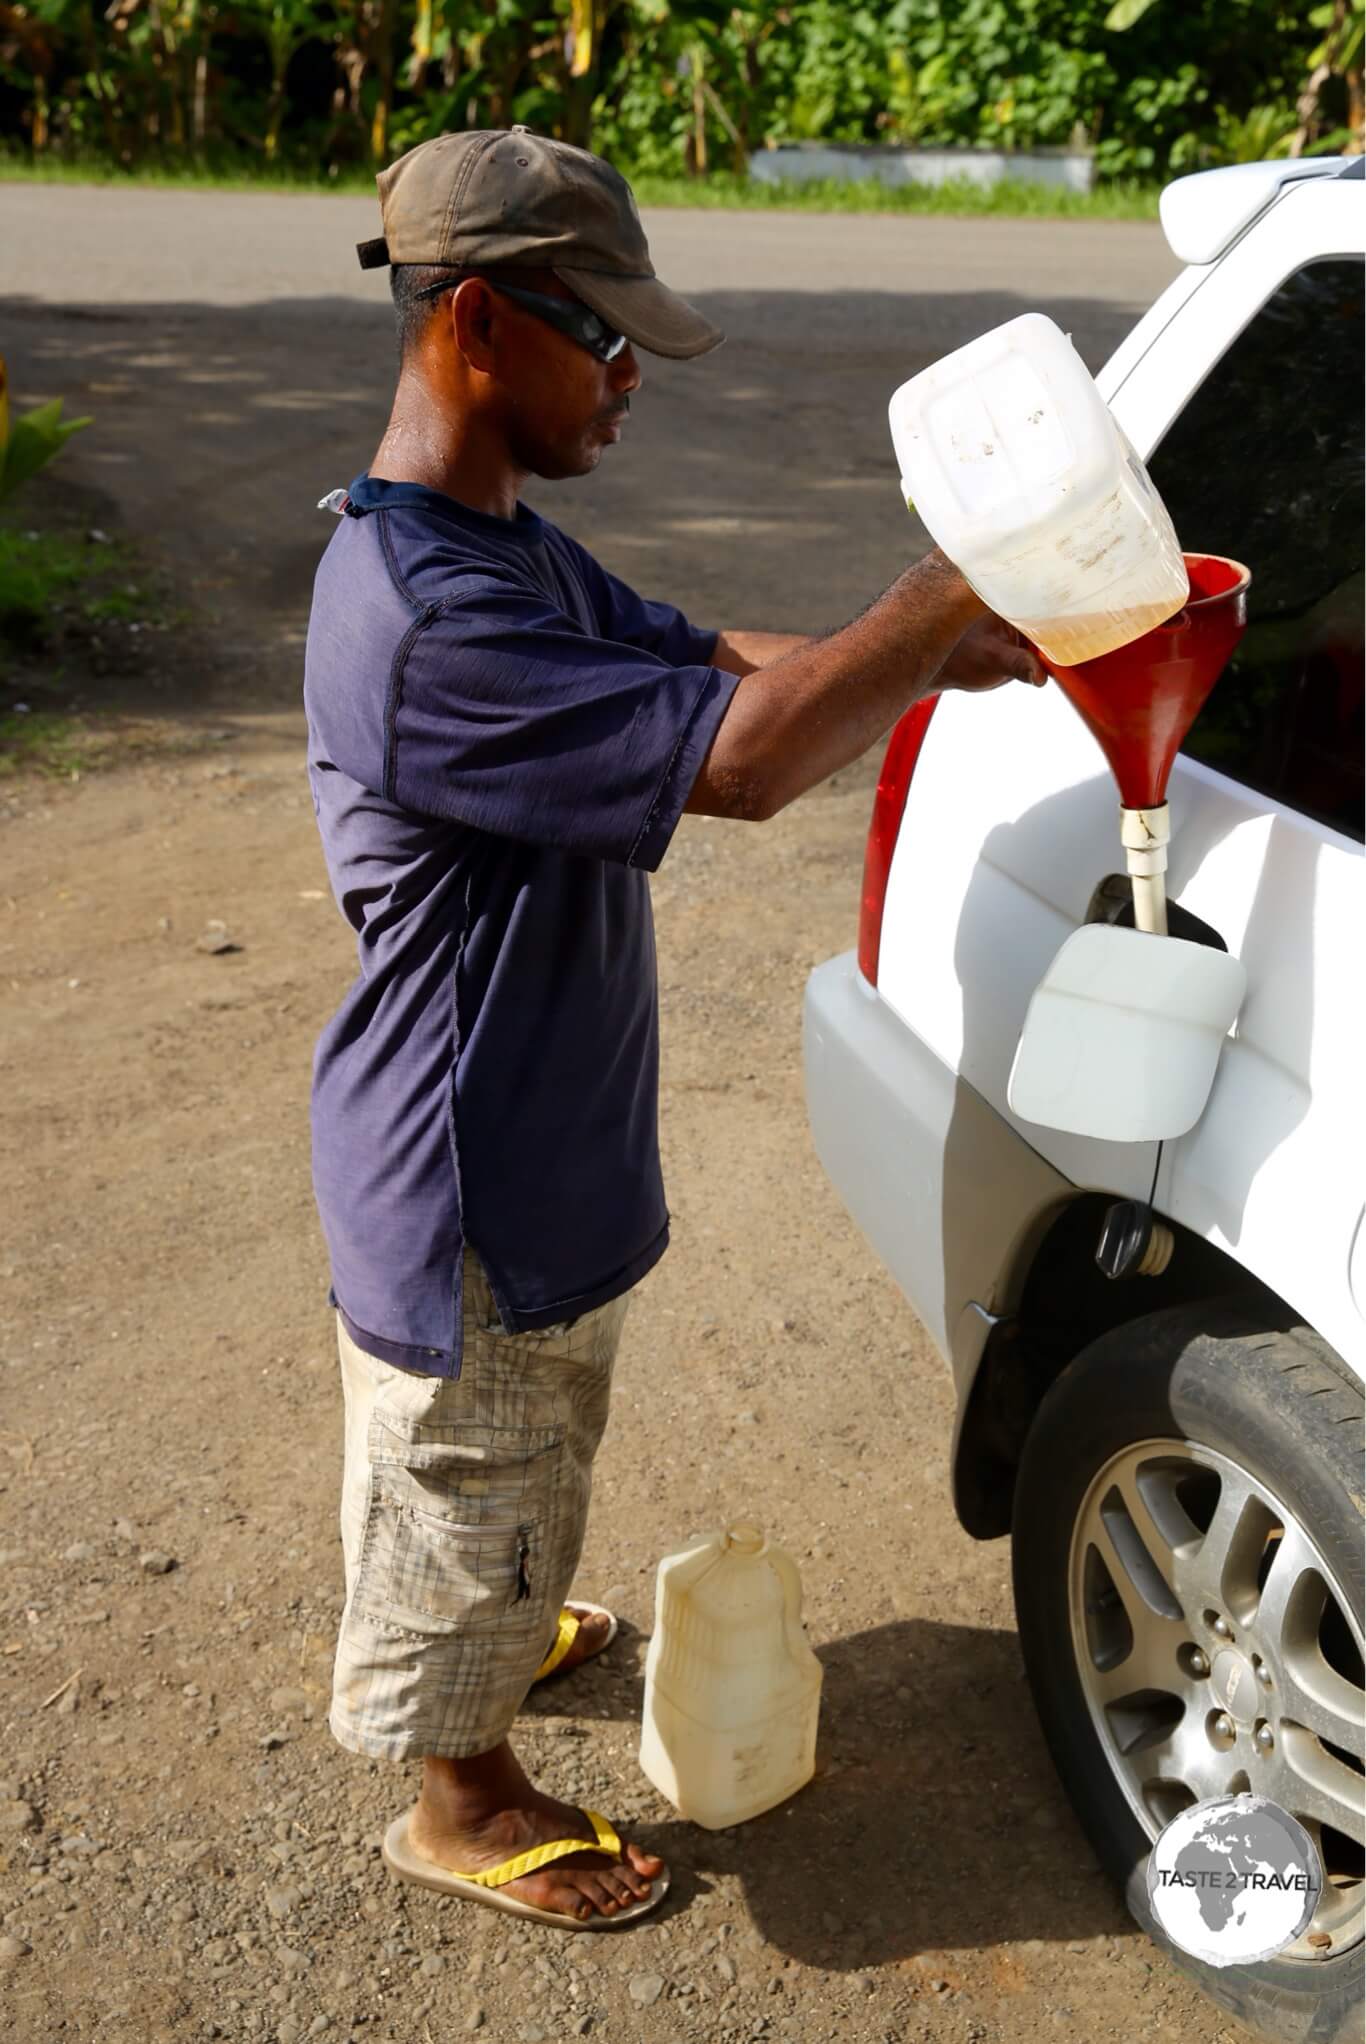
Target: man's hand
x=800 y=715
x=989 y=653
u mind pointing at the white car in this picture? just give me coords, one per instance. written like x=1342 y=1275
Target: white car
x=1177 y=1457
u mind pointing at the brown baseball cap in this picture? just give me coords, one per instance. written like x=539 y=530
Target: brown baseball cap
x=504 y=195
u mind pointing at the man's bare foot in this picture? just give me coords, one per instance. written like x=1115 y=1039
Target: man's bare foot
x=590 y=1638
x=474 y=1814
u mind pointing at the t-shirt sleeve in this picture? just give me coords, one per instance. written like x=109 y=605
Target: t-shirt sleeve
x=640 y=621
x=508 y=717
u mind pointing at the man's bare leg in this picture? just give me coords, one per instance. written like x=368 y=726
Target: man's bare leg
x=473 y=1814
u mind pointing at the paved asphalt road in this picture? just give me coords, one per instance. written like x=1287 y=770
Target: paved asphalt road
x=238 y=363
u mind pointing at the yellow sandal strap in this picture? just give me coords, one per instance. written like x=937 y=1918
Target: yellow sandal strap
x=604 y=1840
x=566 y=1632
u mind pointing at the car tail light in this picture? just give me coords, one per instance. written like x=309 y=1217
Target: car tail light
x=889 y=805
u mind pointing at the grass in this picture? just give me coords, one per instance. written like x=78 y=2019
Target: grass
x=1121 y=199
x=228 y=174
x=59 y=591
x=36 y=570
x=40 y=571
x=42 y=742
x=1013 y=197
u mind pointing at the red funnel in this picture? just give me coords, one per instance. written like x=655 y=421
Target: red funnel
x=1141 y=700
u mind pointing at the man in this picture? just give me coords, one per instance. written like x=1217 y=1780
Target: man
x=502 y=739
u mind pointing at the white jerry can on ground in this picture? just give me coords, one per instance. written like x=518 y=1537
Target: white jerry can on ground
x=732 y=1688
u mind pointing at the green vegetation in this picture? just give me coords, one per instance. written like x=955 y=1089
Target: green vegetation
x=315 y=90
x=49 y=580
x=28 y=443
x=32 y=440
x=74 y=612
x=1117 y=199
x=37 y=570
x=42 y=742
x=1120 y=199
x=82 y=621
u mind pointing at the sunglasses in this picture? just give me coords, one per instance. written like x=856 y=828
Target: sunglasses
x=570 y=315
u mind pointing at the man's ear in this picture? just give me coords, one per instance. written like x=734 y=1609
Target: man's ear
x=472 y=316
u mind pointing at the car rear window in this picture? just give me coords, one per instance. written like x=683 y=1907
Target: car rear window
x=1265 y=464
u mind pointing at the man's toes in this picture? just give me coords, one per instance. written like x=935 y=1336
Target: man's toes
x=586 y=1891
x=633 y=1886
x=600 y=1891
x=593 y=1629
x=568 y=1899
x=576 y=1886
x=590 y=1638
x=626 y=1886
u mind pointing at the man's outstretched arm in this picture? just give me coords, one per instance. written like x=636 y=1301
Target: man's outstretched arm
x=803 y=712
x=742 y=652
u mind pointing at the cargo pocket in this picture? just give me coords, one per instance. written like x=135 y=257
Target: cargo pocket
x=456 y=1524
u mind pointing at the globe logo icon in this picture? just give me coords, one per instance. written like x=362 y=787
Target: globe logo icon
x=1233 y=1880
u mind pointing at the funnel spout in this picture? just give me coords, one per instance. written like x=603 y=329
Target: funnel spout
x=1140 y=701
x=1145 y=835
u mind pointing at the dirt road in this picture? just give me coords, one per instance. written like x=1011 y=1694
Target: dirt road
x=185 y=1854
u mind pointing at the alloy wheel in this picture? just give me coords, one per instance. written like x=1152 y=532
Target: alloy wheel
x=1218 y=1654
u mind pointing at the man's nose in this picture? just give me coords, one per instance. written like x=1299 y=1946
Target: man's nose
x=625 y=372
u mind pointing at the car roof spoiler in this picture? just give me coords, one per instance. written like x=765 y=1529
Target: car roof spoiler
x=1204 y=214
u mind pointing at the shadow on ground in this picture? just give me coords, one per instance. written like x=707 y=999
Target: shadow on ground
x=935 y=1821
x=754 y=488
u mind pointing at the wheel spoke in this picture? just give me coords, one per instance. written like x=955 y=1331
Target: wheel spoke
x=1155 y=1541
x=1293 y=1557
x=1341 y=1893
x=1148 y=1660
x=1148 y=1668
x=1183 y=1754
x=1151 y=1603
x=1205 y=1578
x=1321 y=1700
x=1313 y=1783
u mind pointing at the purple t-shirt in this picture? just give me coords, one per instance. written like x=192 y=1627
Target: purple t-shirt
x=501 y=739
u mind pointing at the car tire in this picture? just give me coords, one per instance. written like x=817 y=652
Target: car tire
x=1284 y=1408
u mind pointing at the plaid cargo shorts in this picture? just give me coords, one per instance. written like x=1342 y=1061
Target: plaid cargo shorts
x=464 y=1503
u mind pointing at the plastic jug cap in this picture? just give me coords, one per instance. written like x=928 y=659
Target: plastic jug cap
x=742 y=1537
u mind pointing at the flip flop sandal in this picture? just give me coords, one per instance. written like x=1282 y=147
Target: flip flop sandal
x=408 y=1865
x=568 y=1631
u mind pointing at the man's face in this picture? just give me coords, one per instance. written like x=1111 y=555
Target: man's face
x=558 y=403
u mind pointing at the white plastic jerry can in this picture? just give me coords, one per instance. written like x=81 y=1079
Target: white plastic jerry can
x=732 y=1688
x=1026 y=481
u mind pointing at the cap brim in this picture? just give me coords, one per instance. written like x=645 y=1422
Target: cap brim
x=646 y=311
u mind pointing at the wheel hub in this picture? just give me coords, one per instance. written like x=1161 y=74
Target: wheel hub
x=1235 y=1685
